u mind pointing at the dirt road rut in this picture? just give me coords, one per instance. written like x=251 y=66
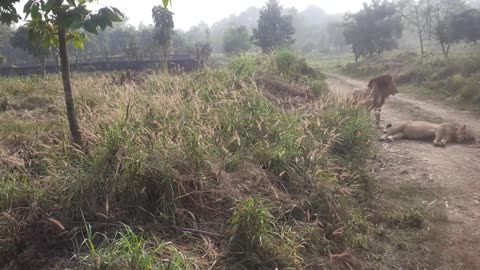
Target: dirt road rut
x=454 y=171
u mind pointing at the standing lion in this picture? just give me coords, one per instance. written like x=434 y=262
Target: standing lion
x=374 y=95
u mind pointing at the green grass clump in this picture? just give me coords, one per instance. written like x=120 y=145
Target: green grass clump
x=319 y=87
x=354 y=139
x=292 y=66
x=409 y=219
x=258 y=240
x=243 y=66
x=129 y=250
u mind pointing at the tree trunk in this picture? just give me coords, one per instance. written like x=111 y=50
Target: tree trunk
x=420 y=38
x=105 y=50
x=445 y=49
x=448 y=50
x=356 y=54
x=67 y=87
x=43 y=60
x=165 y=58
x=419 y=30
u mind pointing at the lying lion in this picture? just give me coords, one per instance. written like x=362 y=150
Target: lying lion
x=420 y=130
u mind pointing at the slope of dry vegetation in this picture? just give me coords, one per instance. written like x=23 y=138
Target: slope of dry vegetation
x=457 y=78
x=191 y=171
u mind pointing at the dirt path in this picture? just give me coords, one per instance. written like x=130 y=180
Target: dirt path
x=454 y=172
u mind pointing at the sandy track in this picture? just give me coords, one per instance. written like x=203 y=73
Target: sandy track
x=454 y=171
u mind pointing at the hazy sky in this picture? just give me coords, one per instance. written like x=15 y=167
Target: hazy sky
x=190 y=12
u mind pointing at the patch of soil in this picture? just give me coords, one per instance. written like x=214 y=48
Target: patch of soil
x=286 y=95
x=36 y=244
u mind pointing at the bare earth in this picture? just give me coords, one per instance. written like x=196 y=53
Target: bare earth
x=453 y=172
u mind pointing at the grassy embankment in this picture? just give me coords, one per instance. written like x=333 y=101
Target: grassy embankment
x=254 y=166
x=456 y=80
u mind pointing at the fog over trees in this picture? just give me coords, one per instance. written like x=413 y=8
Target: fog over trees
x=425 y=25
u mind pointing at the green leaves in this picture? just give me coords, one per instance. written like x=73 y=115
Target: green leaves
x=90 y=26
x=28 y=7
x=103 y=18
x=165 y=2
x=8 y=12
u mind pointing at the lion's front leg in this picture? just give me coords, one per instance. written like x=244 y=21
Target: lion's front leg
x=439 y=141
x=378 y=113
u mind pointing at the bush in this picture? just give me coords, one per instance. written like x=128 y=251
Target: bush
x=243 y=66
x=319 y=87
x=291 y=66
x=470 y=91
x=257 y=239
x=352 y=124
x=129 y=250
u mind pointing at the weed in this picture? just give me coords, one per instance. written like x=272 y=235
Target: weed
x=319 y=88
x=258 y=241
x=352 y=124
x=243 y=66
x=129 y=250
x=412 y=218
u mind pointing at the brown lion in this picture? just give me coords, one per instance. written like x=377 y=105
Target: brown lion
x=374 y=95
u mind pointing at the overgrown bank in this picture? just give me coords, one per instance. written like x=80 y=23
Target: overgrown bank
x=222 y=168
x=456 y=78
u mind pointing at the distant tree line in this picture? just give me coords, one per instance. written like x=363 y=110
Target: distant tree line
x=376 y=28
x=310 y=31
x=379 y=25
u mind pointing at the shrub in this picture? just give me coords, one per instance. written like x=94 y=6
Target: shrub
x=291 y=66
x=243 y=66
x=470 y=91
x=319 y=87
x=257 y=239
x=129 y=250
x=353 y=129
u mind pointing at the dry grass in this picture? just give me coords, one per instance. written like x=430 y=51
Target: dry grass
x=189 y=163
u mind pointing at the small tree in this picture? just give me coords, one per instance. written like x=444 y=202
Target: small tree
x=236 y=39
x=462 y=26
x=373 y=30
x=335 y=36
x=163 y=31
x=442 y=14
x=203 y=52
x=417 y=15
x=5 y=34
x=21 y=40
x=131 y=50
x=274 y=29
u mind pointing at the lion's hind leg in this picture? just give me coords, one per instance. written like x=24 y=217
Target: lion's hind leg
x=394 y=132
x=392 y=135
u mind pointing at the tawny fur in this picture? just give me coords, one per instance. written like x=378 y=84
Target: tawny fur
x=441 y=134
x=374 y=96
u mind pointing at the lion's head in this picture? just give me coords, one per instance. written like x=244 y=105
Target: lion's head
x=464 y=135
x=384 y=84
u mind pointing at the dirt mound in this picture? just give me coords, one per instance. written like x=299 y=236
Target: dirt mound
x=286 y=95
x=36 y=243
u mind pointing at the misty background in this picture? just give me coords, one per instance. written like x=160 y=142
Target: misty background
x=317 y=32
